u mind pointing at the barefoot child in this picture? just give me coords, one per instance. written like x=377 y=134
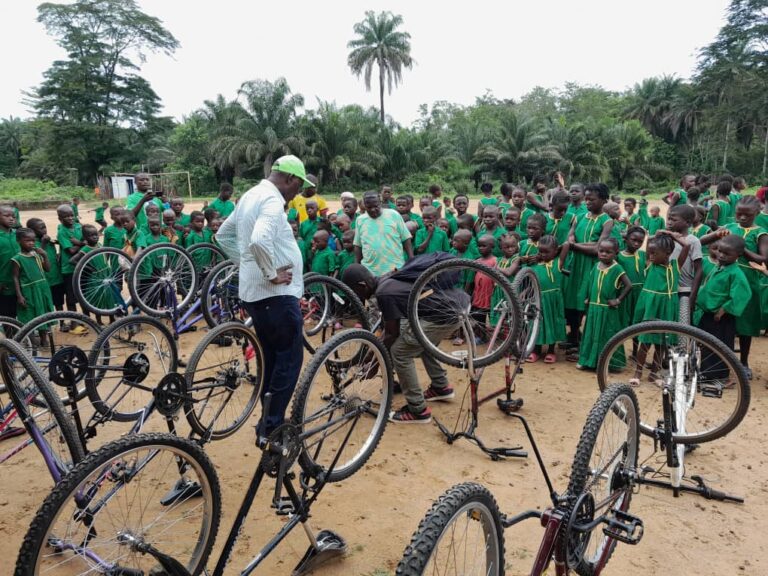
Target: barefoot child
x=29 y=266
x=548 y=270
x=632 y=259
x=70 y=238
x=607 y=285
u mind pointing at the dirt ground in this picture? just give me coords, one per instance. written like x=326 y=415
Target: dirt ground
x=379 y=508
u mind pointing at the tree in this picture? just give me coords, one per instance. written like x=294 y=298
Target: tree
x=380 y=43
x=628 y=147
x=96 y=94
x=11 y=136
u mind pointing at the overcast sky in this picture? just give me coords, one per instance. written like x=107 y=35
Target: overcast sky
x=507 y=47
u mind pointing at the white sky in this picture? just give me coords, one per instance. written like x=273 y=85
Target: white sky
x=505 y=46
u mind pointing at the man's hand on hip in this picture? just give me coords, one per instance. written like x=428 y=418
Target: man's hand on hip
x=284 y=275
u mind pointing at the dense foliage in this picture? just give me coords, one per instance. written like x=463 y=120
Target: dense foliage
x=95 y=114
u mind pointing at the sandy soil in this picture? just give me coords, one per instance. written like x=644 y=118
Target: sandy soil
x=379 y=508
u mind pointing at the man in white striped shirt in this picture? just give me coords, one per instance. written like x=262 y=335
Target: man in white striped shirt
x=258 y=236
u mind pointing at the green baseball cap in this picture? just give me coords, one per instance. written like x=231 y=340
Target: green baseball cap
x=292 y=165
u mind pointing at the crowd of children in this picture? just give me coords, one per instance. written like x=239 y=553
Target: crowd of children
x=704 y=263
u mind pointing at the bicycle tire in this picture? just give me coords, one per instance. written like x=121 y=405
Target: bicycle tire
x=23 y=338
x=97 y=373
x=50 y=402
x=108 y=289
x=620 y=401
x=167 y=281
x=242 y=338
x=331 y=360
x=13 y=326
x=340 y=306
x=217 y=257
x=511 y=311
x=468 y=502
x=739 y=396
x=526 y=286
x=96 y=465
x=232 y=307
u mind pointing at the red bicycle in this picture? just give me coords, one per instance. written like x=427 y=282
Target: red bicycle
x=463 y=533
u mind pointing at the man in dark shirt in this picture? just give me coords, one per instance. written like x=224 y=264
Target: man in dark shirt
x=392 y=292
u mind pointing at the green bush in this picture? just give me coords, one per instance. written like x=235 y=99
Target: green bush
x=29 y=190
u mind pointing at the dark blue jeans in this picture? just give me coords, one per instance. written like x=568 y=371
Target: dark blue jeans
x=279 y=328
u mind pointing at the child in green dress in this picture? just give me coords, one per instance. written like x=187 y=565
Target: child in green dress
x=33 y=296
x=347 y=254
x=182 y=219
x=608 y=285
x=488 y=198
x=720 y=210
x=529 y=248
x=169 y=227
x=535 y=198
x=619 y=229
x=548 y=270
x=587 y=232
x=632 y=218
x=323 y=258
x=577 y=208
x=518 y=201
x=53 y=275
x=659 y=298
x=722 y=299
x=632 y=259
x=559 y=221
x=461 y=204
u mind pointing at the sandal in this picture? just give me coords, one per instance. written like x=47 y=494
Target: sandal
x=532 y=358
x=572 y=356
x=550 y=358
x=634 y=382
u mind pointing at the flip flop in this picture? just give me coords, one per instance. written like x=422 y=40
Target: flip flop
x=550 y=358
x=634 y=382
x=532 y=358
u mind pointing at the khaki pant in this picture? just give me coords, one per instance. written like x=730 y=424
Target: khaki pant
x=403 y=352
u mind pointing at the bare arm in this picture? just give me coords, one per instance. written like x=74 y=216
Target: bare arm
x=358 y=254
x=627 y=289
x=408 y=247
x=531 y=199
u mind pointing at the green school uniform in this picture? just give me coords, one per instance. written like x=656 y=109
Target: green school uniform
x=132 y=241
x=183 y=219
x=577 y=211
x=751 y=321
x=651 y=223
x=324 y=262
x=658 y=298
x=452 y=223
x=223 y=207
x=17 y=217
x=416 y=218
x=53 y=276
x=726 y=288
x=208 y=234
x=540 y=199
x=618 y=232
x=8 y=249
x=560 y=227
x=762 y=220
x=307 y=229
x=75 y=211
x=292 y=214
x=65 y=236
x=733 y=199
x=700 y=231
x=34 y=287
x=634 y=220
x=522 y=227
x=588 y=229
x=528 y=248
x=724 y=214
x=438 y=243
x=603 y=284
x=343 y=261
x=552 y=326
x=489 y=201
x=707 y=266
x=389 y=204
x=497 y=297
x=306 y=253
x=100 y=214
x=634 y=266
x=497 y=233
x=201 y=258
x=503 y=207
x=114 y=237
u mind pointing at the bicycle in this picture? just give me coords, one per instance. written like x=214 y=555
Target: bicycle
x=463 y=532
x=703 y=387
x=485 y=334
x=106 y=516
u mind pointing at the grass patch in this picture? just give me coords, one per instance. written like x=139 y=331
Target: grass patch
x=24 y=190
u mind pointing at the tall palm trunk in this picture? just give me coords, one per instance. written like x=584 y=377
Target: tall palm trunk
x=765 y=150
x=381 y=90
x=267 y=164
x=725 y=148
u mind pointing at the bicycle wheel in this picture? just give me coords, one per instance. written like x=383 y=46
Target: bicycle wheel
x=328 y=306
x=98 y=282
x=341 y=404
x=224 y=377
x=698 y=369
x=141 y=351
x=206 y=257
x=8 y=329
x=486 y=323
x=97 y=519
x=39 y=410
x=162 y=279
x=526 y=286
x=600 y=484
x=460 y=535
x=220 y=297
x=62 y=356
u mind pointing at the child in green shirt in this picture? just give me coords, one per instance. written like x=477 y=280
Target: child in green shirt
x=210 y=214
x=53 y=275
x=8 y=249
x=100 y=215
x=308 y=227
x=488 y=198
x=182 y=220
x=323 y=258
x=33 y=297
x=223 y=204
x=347 y=254
x=70 y=238
x=430 y=239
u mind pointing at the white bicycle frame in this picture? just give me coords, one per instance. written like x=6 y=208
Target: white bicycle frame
x=684 y=391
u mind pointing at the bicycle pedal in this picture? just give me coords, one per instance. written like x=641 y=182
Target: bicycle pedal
x=283 y=506
x=711 y=390
x=624 y=527
x=509 y=406
x=516 y=452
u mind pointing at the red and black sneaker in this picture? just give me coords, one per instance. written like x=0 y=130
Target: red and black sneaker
x=433 y=394
x=405 y=416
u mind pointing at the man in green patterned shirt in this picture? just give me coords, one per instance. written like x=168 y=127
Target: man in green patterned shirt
x=381 y=237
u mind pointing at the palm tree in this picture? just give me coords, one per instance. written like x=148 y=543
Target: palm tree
x=379 y=42
x=581 y=159
x=628 y=148
x=650 y=102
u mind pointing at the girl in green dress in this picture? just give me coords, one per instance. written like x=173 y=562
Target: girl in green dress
x=658 y=299
x=529 y=248
x=586 y=233
x=548 y=270
x=755 y=238
x=720 y=211
x=608 y=285
x=559 y=220
x=33 y=295
x=508 y=264
x=518 y=201
x=632 y=259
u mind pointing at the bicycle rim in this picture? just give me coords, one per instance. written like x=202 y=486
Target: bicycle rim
x=162 y=279
x=99 y=281
x=526 y=287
